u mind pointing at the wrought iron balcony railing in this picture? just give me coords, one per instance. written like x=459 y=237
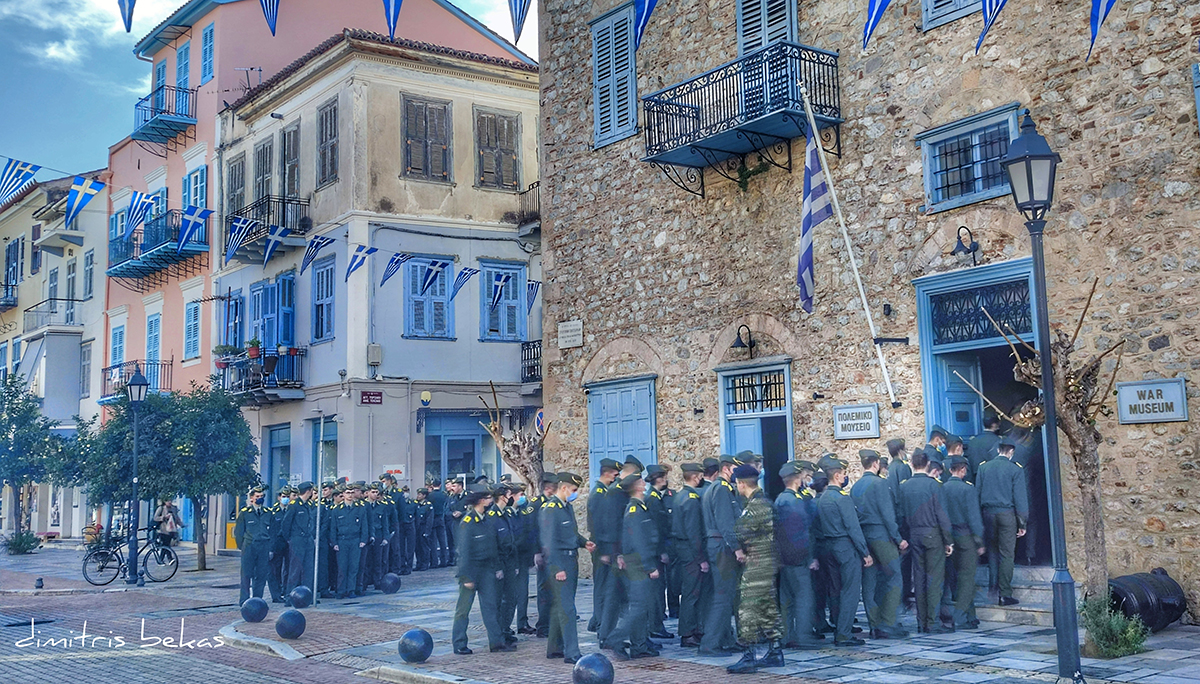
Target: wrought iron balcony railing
x=164 y=114
x=8 y=297
x=50 y=312
x=158 y=374
x=158 y=234
x=273 y=210
x=261 y=379
x=531 y=361
x=529 y=208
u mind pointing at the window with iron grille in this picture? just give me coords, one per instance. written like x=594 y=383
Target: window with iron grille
x=761 y=392
x=327 y=143
x=427 y=133
x=934 y=13
x=323 y=292
x=289 y=160
x=236 y=195
x=264 y=156
x=958 y=316
x=497 y=136
x=614 y=77
x=963 y=159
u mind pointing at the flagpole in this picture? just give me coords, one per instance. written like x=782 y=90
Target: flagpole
x=837 y=209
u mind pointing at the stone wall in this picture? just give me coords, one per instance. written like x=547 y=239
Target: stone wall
x=662 y=279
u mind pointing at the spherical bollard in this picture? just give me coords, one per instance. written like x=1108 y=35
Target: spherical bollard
x=594 y=668
x=415 y=646
x=301 y=597
x=390 y=583
x=290 y=624
x=254 y=609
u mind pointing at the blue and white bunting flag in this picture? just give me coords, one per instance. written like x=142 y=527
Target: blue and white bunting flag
x=358 y=259
x=433 y=270
x=240 y=228
x=531 y=293
x=391 y=8
x=463 y=276
x=393 y=266
x=519 y=10
x=991 y=10
x=14 y=177
x=190 y=224
x=875 y=11
x=270 y=10
x=275 y=236
x=499 y=281
x=815 y=209
x=1100 y=10
x=127 y=13
x=82 y=191
x=642 y=9
x=140 y=206
x=314 y=247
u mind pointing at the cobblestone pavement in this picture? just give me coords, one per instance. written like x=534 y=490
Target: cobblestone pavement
x=343 y=638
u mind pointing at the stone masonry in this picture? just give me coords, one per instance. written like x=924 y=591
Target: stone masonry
x=662 y=279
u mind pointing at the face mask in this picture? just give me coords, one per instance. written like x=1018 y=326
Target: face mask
x=522 y=500
x=283 y=502
x=574 y=495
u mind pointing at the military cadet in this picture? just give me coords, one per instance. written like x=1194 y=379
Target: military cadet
x=363 y=510
x=527 y=546
x=503 y=520
x=758 y=613
x=300 y=529
x=604 y=537
x=639 y=551
x=326 y=560
x=938 y=437
x=253 y=535
x=549 y=488
x=560 y=541
x=440 y=543
x=725 y=556
x=881 y=583
x=1004 y=501
x=712 y=468
x=1027 y=453
x=455 y=509
x=479 y=572
x=609 y=523
x=423 y=521
x=389 y=495
x=278 y=557
x=966 y=522
x=408 y=530
x=846 y=547
x=656 y=486
x=380 y=513
x=688 y=545
x=898 y=472
x=983 y=447
x=793 y=534
x=673 y=579
x=349 y=529
x=826 y=596
x=931 y=540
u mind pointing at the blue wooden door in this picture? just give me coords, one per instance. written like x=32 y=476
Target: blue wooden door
x=745 y=434
x=621 y=422
x=960 y=408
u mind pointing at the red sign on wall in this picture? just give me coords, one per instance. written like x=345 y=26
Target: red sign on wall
x=368 y=397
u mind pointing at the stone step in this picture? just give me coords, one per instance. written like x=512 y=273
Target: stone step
x=1038 y=594
x=1022 y=574
x=1040 y=614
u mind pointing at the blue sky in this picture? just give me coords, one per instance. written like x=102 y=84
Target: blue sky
x=69 y=80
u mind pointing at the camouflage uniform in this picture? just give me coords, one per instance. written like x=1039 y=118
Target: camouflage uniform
x=758 y=613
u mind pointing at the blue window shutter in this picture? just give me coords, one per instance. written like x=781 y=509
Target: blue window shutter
x=1196 y=85
x=934 y=13
x=183 y=64
x=234 y=309
x=185 y=198
x=762 y=22
x=112 y=227
x=323 y=299
x=206 y=54
x=256 y=311
x=270 y=318
x=160 y=80
x=200 y=187
x=507 y=320
x=614 y=88
x=117 y=348
x=415 y=303
x=191 y=330
x=286 y=289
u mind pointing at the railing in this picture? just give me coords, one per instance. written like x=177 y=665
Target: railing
x=531 y=361
x=274 y=210
x=158 y=374
x=51 y=312
x=529 y=208
x=164 y=101
x=758 y=84
x=8 y=297
x=156 y=232
x=268 y=371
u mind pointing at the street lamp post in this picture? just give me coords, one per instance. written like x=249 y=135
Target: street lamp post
x=1030 y=165
x=136 y=389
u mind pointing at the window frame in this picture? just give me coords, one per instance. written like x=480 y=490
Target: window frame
x=89 y=273
x=327 y=149
x=85 y=370
x=449 y=274
x=476 y=114
x=974 y=124
x=741 y=10
x=70 y=284
x=326 y=265
x=931 y=18
x=264 y=168
x=448 y=146
x=233 y=329
x=237 y=190
x=195 y=188
x=519 y=271
x=35 y=252
x=289 y=160
x=618 y=133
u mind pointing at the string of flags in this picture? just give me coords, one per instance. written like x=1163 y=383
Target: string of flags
x=82 y=191
x=270 y=10
x=14 y=178
x=391 y=10
x=140 y=206
x=18 y=175
x=464 y=275
x=275 y=236
x=358 y=259
x=518 y=10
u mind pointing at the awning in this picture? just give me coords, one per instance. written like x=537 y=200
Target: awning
x=31 y=362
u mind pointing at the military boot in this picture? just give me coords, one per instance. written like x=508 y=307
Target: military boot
x=774 y=656
x=747 y=665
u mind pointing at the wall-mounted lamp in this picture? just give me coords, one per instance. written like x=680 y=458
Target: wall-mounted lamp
x=276 y=115
x=963 y=248
x=747 y=344
x=887 y=309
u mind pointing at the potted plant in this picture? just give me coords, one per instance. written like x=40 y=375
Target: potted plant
x=222 y=352
x=293 y=351
x=282 y=350
x=254 y=348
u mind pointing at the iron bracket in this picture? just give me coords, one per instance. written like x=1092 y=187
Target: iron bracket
x=687 y=178
x=772 y=149
x=727 y=167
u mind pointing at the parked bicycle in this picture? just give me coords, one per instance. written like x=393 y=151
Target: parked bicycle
x=104 y=564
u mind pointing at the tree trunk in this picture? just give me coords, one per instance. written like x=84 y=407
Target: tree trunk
x=18 y=514
x=199 y=519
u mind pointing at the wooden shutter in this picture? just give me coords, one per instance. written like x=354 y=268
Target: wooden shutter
x=485 y=143
x=415 y=137
x=286 y=290
x=762 y=22
x=507 y=137
x=270 y=320
x=937 y=12
x=416 y=301
x=438 y=132
x=439 y=310
x=614 y=90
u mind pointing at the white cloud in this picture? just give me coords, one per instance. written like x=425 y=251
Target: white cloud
x=77 y=28
x=494 y=13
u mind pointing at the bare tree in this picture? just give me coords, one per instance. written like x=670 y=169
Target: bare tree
x=520 y=449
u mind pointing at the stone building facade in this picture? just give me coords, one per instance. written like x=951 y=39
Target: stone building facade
x=662 y=280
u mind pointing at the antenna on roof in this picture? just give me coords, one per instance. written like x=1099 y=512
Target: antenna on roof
x=248 y=70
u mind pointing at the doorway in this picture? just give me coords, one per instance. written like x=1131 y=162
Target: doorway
x=757 y=416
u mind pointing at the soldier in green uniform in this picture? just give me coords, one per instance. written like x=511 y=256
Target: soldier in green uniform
x=881 y=582
x=609 y=523
x=898 y=472
x=525 y=530
x=793 y=535
x=349 y=529
x=390 y=497
x=758 y=613
x=725 y=556
x=502 y=516
x=983 y=447
x=276 y=572
x=846 y=549
x=639 y=551
x=712 y=467
x=252 y=532
x=605 y=539
x=930 y=540
x=300 y=529
x=561 y=541
x=326 y=559
x=962 y=505
x=479 y=572
x=688 y=542
x=938 y=437
x=1004 y=500
x=549 y=487
x=423 y=524
x=656 y=486
x=379 y=530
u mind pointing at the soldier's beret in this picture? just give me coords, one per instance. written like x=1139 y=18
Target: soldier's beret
x=883 y=461
x=894 y=444
x=805 y=465
x=957 y=461
x=830 y=462
x=340 y=489
x=868 y=453
x=788 y=470
x=692 y=468
x=610 y=464
x=633 y=461
x=711 y=462
x=257 y=488
x=939 y=430
x=955 y=439
x=747 y=456
x=375 y=486
x=656 y=469
x=422 y=490
x=304 y=487
x=570 y=478
x=730 y=459
x=745 y=472
x=549 y=477
x=629 y=481
x=387 y=476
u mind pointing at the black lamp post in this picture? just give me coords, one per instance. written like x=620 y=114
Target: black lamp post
x=1030 y=165
x=136 y=388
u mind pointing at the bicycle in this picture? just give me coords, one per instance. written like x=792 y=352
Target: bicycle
x=103 y=565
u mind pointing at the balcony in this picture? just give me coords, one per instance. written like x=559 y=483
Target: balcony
x=154 y=248
x=529 y=211
x=56 y=313
x=8 y=297
x=531 y=361
x=164 y=114
x=158 y=374
x=268 y=379
x=750 y=105
x=272 y=210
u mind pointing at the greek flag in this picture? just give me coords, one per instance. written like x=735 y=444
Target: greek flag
x=82 y=191
x=531 y=292
x=518 y=9
x=239 y=228
x=991 y=10
x=391 y=8
x=875 y=11
x=270 y=10
x=140 y=206
x=815 y=209
x=127 y=13
x=358 y=259
x=14 y=177
x=498 y=282
x=191 y=224
x=1098 y=18
x=275 y=236
x=432 y=271
x=463 y=276
x=642 y=9
x=314 y=247
x=393 y=266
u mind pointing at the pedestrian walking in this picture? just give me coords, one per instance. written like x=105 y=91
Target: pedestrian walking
x=604 y=537
x=793 y=536
x=846 y=548
x=758 y=612
x=881 y=584
x=1004 y=501
x=561 y=541
x=479 y=573
x=688 y=544
x=502 y=516
x=930 y=541
x=168 y=522
x=639 y=551
x=252 y=533
x=300 y=530
x=966 y=522
x=721 y=510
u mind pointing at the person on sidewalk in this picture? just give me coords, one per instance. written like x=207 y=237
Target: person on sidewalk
x=326 y=559
x=391 y=498
x=349 y=530
x=561 y=541
x=549 y=487
x=881 y=583
x=169 y=522
x=252 y=532
x=380 y=531
x=479 y=573
x=605 y=539
x=501 y=515
x=688 y=541
x=793 y=535
x=639 y=550
x=300 y=530
x=721 y=511
x=527 y=546
x=1004 y=499
x=279 y=546
x=930 y=541
x=656 y=502
x=408 y=528
x=610 y=522
x=846 y=547
x=423 y=524
x=758 y=613
x=966 y=521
